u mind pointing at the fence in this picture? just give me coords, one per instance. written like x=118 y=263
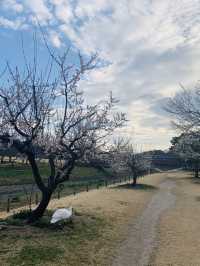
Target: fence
x=33 y=197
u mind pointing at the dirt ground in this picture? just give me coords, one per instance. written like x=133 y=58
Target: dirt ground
x=178 y=241
x=168 y=230
x=155 y=224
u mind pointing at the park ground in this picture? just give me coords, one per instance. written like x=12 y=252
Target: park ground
x=156 y=223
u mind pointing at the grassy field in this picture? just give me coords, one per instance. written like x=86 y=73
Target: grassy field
x=20 y=174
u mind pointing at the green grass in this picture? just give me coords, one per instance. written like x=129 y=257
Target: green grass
x=31 y=256
x=73 y=244
x=21 y=174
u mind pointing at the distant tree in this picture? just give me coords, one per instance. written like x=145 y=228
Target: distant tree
x=47 y=109
x=187 y=146
x=126 y=157
x=185 y=108
x=137 y=163
x=8 y=152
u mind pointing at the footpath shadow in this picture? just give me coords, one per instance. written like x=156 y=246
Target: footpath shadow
x=136 y=187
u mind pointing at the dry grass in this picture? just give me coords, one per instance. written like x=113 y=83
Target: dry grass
x=179 y=230
x=103 y=223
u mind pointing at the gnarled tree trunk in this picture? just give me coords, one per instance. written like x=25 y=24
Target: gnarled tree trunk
x=40 y=209
x=45 y=190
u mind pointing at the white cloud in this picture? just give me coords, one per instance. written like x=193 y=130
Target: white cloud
x=15 y=25
x=88 y=8
x=13 y=5
x=63 y=10
x=39 y=10
x=158 y=25
x=55 y=39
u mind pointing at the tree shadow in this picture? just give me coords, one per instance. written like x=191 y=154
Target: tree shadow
x=136 y=187
x=195 y=180
x=197 y=198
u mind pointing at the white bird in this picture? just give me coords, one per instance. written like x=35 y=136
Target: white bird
x=61 y=214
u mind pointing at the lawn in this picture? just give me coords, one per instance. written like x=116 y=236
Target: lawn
x=20 y=174
x=78 y=242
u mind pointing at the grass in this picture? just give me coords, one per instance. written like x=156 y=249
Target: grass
x=20 y=174
x=74 y=244
x=31 y=255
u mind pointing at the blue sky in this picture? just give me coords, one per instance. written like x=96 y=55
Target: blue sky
x=151 y=46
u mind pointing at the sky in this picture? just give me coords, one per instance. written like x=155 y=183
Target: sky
x=148 y=48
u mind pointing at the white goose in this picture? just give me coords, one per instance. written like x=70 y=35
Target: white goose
x=61 y=214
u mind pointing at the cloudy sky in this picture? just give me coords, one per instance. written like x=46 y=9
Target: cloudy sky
x=148 y=48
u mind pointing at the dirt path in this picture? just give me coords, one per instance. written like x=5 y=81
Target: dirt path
x=178 y=241
x=168 y=230
x=137 y=249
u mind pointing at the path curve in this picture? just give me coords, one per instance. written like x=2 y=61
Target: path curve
x=137 y=249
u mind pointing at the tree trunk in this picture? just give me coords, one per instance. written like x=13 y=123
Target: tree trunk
x=196 y=173
x=40 y=209
x=196 y=169
x=134 y=180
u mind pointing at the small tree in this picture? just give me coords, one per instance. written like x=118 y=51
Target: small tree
x=125 y=157
x=47 y=109
x=137 y=163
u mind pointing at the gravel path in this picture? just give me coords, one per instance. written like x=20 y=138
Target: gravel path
x=137 y=249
